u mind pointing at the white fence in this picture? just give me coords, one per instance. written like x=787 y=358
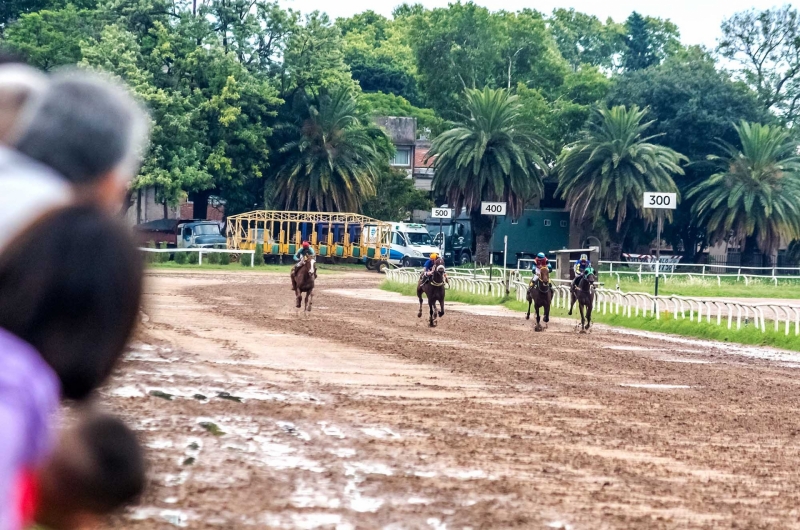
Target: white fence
x=201 y=251
x=608 y=301
x=695 y=270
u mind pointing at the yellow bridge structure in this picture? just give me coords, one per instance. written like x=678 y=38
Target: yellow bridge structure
x=332 y=235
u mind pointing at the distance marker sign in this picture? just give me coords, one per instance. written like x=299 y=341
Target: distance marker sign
x=441 y=213
x=493 y=208
x=662 y=201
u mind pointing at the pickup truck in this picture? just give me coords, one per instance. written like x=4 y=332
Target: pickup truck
x=179 y=233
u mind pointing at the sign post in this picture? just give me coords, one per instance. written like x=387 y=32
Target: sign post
x=441 y=213
x=659 y=201
x=494 y=209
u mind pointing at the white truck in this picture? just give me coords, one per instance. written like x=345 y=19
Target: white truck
x=411 y=245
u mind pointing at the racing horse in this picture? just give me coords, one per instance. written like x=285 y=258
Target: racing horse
x=584 y=295
x=434 y=291
x=541 y=295
x=303 y=281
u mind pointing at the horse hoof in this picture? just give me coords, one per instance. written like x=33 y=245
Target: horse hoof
x=546 y=320
x=441 y=314
x=583 y=332
x=419 y=315
x=569 y=313
x=537 y=328
x=527 y=317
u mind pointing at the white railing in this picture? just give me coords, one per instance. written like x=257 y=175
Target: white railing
x=697 y=270
x=632 y=304
x=201 y=251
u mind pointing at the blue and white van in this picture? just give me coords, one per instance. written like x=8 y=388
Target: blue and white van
x=411 y=246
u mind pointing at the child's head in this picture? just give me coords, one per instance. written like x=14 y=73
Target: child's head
x=70 y=286
x=97 y=468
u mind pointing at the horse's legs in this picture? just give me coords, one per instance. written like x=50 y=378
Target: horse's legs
x=432 y=308
x=573 y=298
x=580 y=306
x=547 y=309
x=419 y=295
x=538 y=326
x=441 y=306
x=299 y=296
x=528 y=316
x=309 y=300
x=588 y=316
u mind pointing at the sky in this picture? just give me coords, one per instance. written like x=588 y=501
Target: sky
x=698 y=20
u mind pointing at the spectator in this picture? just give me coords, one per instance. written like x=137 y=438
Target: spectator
x=28 y=188
x=71 y=287
x=97 y=468
x=89 y=130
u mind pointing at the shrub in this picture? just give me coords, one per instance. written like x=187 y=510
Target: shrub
x=259 y=254
x=224 y=259
x=181 y=258
x=213 y=258
x=152 y=257
x=163 y=257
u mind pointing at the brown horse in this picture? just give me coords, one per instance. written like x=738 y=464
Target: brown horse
x=434 y=291
x=303 y=282
x=541 y=294
x=584 y=295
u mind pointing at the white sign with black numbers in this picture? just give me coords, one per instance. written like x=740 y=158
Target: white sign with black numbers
x=441 y=213
x=493 y=208
x=663 y=201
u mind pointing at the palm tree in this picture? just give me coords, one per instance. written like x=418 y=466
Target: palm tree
x=754 y=195
x=490 y=155
x=604 y=174
x=334 y=158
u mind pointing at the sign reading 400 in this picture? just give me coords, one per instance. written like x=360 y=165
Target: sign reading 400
x=493 y=208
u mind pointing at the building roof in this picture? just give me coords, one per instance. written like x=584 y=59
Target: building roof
x=419 y=157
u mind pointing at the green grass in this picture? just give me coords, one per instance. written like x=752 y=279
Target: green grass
x=666 y=324
x=761 y=288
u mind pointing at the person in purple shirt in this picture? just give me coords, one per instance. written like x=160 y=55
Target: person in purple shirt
x=70 y=289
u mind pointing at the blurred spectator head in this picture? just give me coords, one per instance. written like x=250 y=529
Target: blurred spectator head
x=10 y=57
x=90 y=130
x=19 y=85
x=97 y=468
x=71 y=287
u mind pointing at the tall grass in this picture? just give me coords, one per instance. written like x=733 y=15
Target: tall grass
x=665 y=324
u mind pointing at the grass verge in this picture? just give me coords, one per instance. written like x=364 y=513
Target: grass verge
x=748 y=335
x=760 y=288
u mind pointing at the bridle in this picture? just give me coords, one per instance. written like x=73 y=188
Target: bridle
x=439 y=269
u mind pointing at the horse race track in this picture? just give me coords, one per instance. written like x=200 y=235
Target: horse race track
x=360 y=416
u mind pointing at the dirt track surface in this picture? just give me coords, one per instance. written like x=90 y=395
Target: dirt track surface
x=360 y=416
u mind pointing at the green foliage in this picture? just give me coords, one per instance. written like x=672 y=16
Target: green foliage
x=181 y=258
x=605 y=173
x=259 y=256
x=395 y=197
x=492 y=155
x=380 y=104
x=224 y=258
x=584 y=40
x=648 y=41
x=333 y=157
x=766 y=47
x=213 y=258
x=692 y=104
x=755 y=191
x=163 y=257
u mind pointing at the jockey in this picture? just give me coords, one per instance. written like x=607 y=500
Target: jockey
x=302 y=252
x=580 y=268
x=305 y=251
x=539 y=261
x=427 y=269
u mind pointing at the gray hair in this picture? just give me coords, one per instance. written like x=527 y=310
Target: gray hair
x=19 y=84
x=84 y=126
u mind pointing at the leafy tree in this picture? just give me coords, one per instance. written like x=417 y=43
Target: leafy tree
x=753 y=196
x=692 y=103
x=648 y=41
x=334 y=159
x=380 y=104
x=490 y=155
x=584 y=39
x=766 y=46
x=52 y=38
x=11 y=10
x=604 y=174
x=395 y=197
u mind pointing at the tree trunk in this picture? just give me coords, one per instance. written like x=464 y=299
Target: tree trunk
x=482 y=224
x=126 y=203
x=618 y=241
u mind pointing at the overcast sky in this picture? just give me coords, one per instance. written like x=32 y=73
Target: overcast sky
x=698 y=20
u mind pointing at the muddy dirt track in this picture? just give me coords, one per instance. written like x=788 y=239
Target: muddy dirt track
x=360 y=416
